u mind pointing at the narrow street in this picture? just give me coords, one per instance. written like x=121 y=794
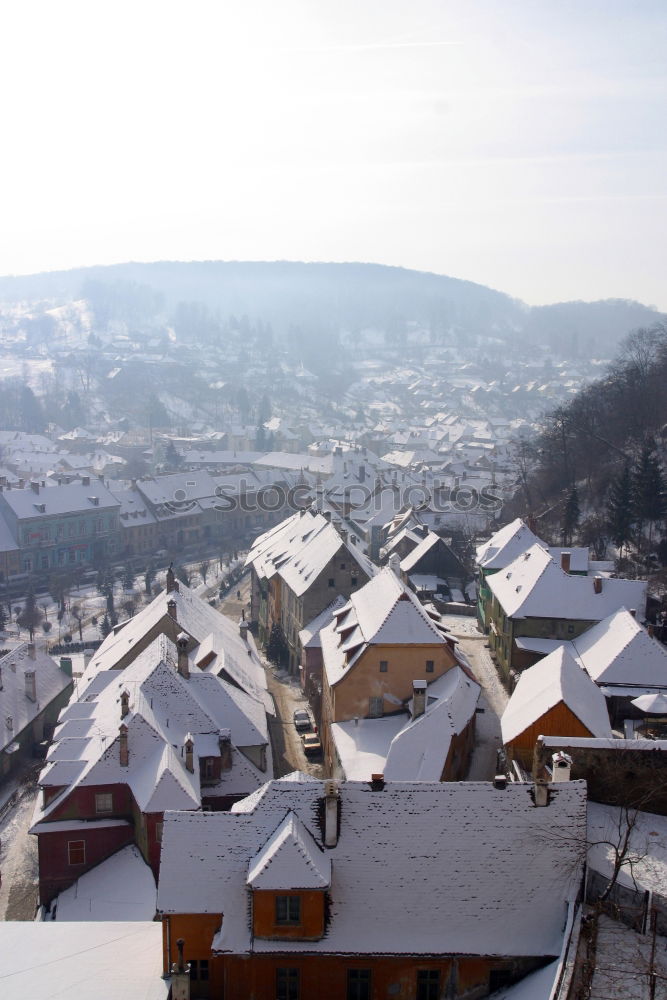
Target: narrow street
x=492 y=702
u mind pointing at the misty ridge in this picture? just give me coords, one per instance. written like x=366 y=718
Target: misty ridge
x=316 y=301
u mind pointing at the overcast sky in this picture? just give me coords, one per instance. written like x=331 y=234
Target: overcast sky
x=517 y=143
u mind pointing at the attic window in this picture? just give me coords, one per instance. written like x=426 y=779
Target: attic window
x=288 y=910
x=332 y=582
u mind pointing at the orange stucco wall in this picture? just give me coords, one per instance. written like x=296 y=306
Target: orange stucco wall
x=312 y=916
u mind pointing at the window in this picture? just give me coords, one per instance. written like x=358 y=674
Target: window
x=104 y=802
x=375 y=707
x=384 y=666
x=570 y=629
x=353 y=581
x=288 y=909
x=332 y=582
x=287 y=984
x=358 y=984
x=76 y=852
x=429 y=666
x=199 y=969
x=428 y=984
x=342 y=565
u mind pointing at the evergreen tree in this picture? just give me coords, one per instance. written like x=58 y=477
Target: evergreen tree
x=650 y=495
x=621 y=509
x=128 y=578
x=277 y=649
x=571 y=516
x=181 y=573
x=30 y=617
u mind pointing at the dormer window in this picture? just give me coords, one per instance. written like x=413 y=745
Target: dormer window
x=288 y=910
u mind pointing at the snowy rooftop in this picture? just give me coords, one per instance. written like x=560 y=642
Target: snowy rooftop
x=490 y=883
x=505 y=545
x=17 y=710
x=555 y=679
x=534 y=586
x=53 y=960
x=120 y=888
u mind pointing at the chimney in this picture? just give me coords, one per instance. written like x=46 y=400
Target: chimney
x=633 y=612
x=395 y=564
x=124 y=704
x=377 y=782
x=31 y=651
x=343 y=534
x=66 y=665
x=183 y=662
x=651 y=630
x=21 y=483
x=225 y=744
x=362 y=472
x=124 y=749
x=34 y=486
x=189 y=753
x=30 y=685
x=330 y=814
x=565 y=561
x=418 y=698
x=171 y=608
x=597 y=584
x=171 y=580
x=561 y=766
x=85 y=480
x=500 y=781
x=423 y=530
x=243 y=629
x=541 y=793
x=180 y=975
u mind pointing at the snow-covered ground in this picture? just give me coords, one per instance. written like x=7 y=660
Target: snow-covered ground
x=18 y=850
x=623 y=964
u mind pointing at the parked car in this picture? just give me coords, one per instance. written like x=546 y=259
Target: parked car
x=302 y=720
x=311 y=745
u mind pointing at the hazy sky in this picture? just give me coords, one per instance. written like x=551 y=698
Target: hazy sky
x=517 y=143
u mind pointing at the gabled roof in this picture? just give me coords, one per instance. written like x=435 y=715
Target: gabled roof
x=290 y=859
x=505 y=545
x=15 y=707
x=555 y=679
x=619 y=651
x=534 y=586
x=382 y=612
x=164 y=708
x=419 y=868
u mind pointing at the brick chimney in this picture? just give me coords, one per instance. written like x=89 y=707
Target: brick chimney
x=124 y=704
x=243 y=629
x=171 y=608
x=597 y=584
x=180 y=975
x=331 y=800
x=171 y=580
x=30 y=685
x=377 y=782
x=633 y=612
x=565 y=561
x=34 y=486
x=225 y=744
x=124 y=750
x=418 y=698
x=541 y=793
x=183 y=662
x=189 y=746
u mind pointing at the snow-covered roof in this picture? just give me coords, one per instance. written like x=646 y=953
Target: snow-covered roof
x=505 y=545
x=164 y=709
x=619 y=651
x=17 y=710
x=309 y=636
x=235 y=656
x=534 y=586
x=66 y=499
x=51 y=960
x=382 y=612
x=406 y=749
x=120 y=888
x=290 y=859
x=300 y=548
x=555 y=679
x=491 y=882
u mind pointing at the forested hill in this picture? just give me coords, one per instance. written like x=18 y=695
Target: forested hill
x=598 y=468
x=351 y=296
